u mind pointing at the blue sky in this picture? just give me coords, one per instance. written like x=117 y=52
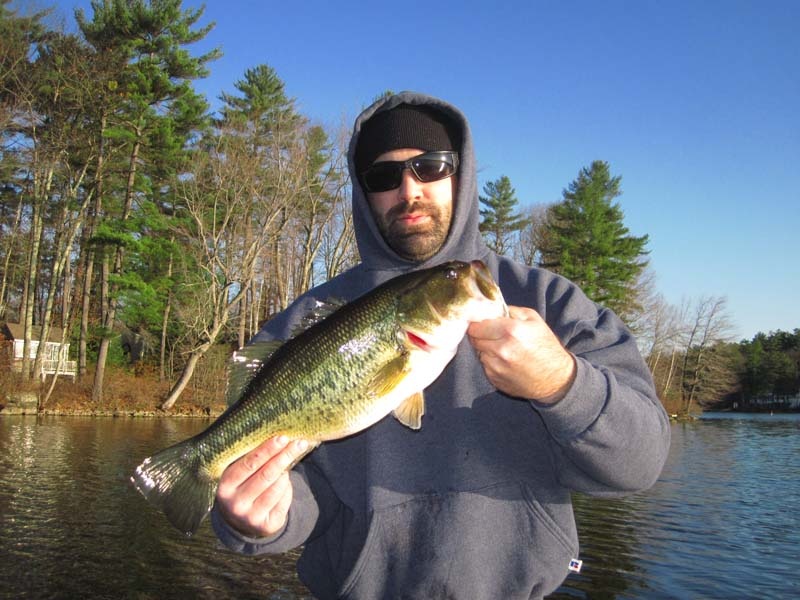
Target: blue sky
x=696 y=105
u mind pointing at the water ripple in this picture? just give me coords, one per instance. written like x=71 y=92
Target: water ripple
x=722 y=521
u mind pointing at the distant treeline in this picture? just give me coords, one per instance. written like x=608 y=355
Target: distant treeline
x=767 y=373
x=770 y=367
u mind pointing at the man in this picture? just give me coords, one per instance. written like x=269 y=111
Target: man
x=476 y=504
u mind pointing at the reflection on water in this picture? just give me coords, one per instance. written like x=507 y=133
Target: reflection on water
x=72 y=527
x=722 y=522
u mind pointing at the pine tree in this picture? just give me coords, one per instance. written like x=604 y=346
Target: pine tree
x=262 y=107
x=146 y=115
x=19 y=37
x=499 y=221
x=589 y=244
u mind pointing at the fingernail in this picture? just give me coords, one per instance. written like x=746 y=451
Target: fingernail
x=282 y=440
x=301 y=445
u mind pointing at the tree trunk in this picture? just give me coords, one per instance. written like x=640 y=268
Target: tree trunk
x=244 y=307
x=670 y=372
x=162 y=375
x=109 y=302
x=41 y=190
x=66 y=232
x=654 y=359
x=102 y=353
x=9 y=252
x=224 y=306
x=86 y=296
x=66 y=326
x=86 y=300
x=185 y=378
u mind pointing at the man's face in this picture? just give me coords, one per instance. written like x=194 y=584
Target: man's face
x=414 y=218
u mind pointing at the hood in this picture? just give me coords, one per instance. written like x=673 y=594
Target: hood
x=464 y=241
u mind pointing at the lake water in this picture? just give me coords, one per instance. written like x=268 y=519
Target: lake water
x=723 y=521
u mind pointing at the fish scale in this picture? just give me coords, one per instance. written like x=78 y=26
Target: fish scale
x=370 y=357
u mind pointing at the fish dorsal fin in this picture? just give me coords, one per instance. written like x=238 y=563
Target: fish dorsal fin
x=246 y=361
x=244 y=365
x=321 y=311
x=410 y=412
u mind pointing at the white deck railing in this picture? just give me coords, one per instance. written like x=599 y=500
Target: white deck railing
x=67 y=367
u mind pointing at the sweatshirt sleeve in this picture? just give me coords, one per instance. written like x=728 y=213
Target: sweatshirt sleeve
x=611 y=431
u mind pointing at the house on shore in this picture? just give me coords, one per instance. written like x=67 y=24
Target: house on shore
x=12 y=345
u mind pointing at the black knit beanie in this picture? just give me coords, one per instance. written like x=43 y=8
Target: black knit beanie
x=405 y=126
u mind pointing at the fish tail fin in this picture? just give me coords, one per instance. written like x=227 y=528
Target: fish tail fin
x=175 y=481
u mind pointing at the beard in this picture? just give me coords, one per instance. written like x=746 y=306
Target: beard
x=414 y=241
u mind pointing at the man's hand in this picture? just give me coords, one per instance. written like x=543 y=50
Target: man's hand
x=254 y=492
x=522 y=356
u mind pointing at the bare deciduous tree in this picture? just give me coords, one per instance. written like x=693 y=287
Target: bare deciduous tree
x=338 y=248
x=709 y=327
x=531 y=237
x=232 y=210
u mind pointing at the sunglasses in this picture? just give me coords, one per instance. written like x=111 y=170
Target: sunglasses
x=431 y=166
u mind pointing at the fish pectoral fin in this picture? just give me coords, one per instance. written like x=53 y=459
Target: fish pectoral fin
x=410 y=411
x=389 y=376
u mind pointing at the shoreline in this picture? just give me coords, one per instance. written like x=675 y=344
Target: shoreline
x=190 y=413
x=126 y=394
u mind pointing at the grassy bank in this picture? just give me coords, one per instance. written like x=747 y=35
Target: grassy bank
x=125 y=393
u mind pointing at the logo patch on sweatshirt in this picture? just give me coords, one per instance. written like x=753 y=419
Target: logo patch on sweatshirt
x=575 y=565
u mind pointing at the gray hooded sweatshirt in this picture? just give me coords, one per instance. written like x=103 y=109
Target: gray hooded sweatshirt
x=476 y=504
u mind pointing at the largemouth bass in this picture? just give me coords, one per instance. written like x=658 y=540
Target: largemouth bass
x=368 y=358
